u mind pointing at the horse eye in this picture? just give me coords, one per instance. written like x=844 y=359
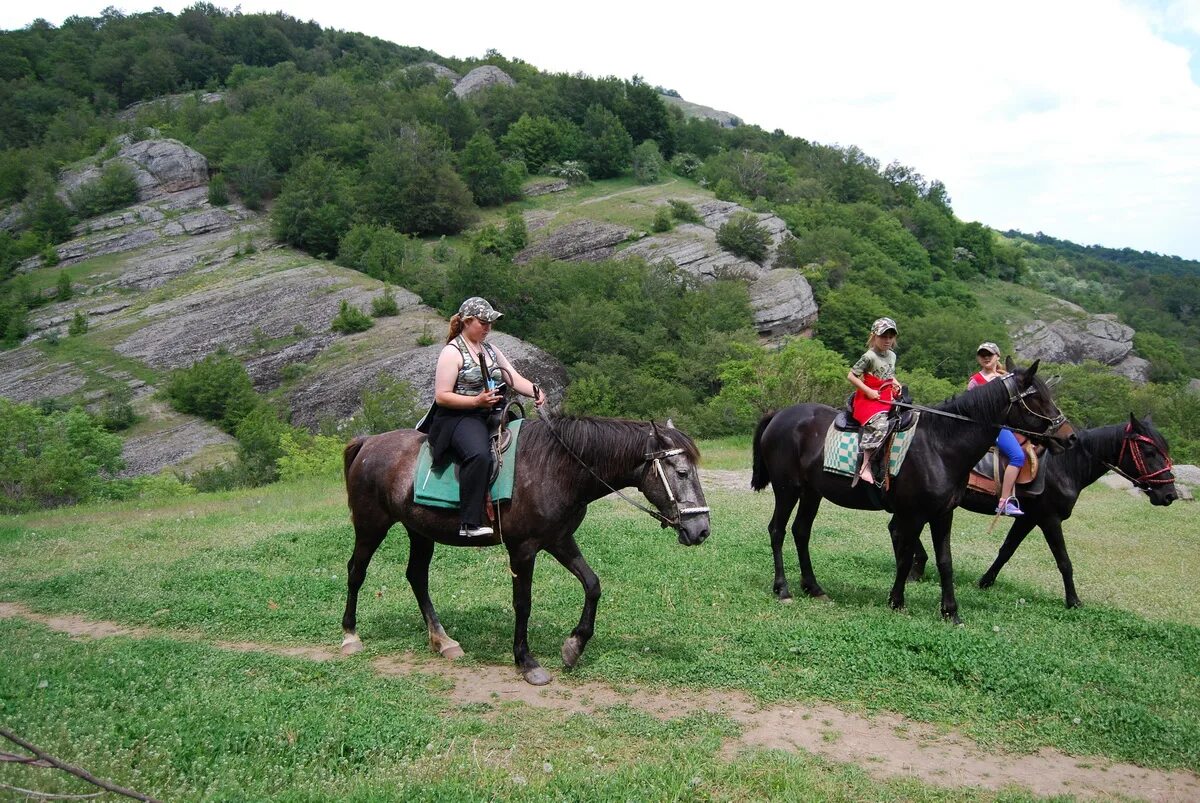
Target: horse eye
x=683 y=472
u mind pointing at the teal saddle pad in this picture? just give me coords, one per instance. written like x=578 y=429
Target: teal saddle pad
x=440 y=488
x=841 y=449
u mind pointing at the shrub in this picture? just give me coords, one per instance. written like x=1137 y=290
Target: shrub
x=686 y=164
x=78 y=325
x=385 y=305
x=116 y=411
x=216 y=388
x=115 y=188
x=392 y=405
x=662 y=219
x=303 y=456
x=743 y=235
x=684 y=212
x=314 y=207
x=49 y=256
x=218 y=191
x=575 y=172
x=350 y=320
x=259 y=435
x=62 y=287
x=647 y=162
x=52 y=458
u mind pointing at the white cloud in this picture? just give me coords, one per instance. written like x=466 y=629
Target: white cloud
x=1079 y=119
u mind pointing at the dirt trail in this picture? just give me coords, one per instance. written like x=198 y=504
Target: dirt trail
x=883 y=746
x=627 y=192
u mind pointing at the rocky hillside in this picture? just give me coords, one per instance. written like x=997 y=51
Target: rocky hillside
x=173 y=279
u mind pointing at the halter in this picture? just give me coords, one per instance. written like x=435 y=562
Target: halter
x=1147 y=477
x=656 y=459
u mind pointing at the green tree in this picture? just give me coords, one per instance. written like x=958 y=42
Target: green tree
x=62 y=287
x=315 y=207
x=78 y=325
x=115 y=188
x=647 y=162
x=607 y=147
x=350 y=319
x=492 y=180
x=535 y=140
x=410 y=185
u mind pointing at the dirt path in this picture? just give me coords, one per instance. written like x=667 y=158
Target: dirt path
x=884 y=746
x=626 y=192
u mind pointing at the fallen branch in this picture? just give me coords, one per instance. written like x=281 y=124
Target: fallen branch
x=42 y=756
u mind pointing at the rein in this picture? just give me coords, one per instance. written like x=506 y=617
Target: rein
x=656 y=457
x=1014 y=397
x=1147 y=477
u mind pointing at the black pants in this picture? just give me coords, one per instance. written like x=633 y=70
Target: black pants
x=471 y=448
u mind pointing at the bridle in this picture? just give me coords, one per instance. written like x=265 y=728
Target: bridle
x=1015 y=396
x=656 y=460
x=1146 y=477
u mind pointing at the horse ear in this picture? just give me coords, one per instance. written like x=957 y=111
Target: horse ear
x=1032 y=370
x=1134 y=424
x=1009 y=365
x=670 y=424
x=654 y=430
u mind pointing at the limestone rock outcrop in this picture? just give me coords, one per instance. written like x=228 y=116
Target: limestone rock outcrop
x=481 y=78
x=1072 y=340
x=581 y=240
x=160 y=167
x=783 y=304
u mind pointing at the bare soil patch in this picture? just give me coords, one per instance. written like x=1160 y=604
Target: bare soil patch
x=884 y=746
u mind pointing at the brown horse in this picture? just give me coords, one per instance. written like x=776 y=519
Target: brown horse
x=564 y=464
x=1137 y=451
x=789 y=455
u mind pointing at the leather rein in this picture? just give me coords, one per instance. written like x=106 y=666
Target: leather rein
x=656 y=459
x=1014 y=397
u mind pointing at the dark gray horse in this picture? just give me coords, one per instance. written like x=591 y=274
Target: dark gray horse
x=564 y=465
x=1136 y=451
x=789 y=449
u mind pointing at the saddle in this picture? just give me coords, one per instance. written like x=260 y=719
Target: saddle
x=501 y=436
x=987 y=474
x=900 y=419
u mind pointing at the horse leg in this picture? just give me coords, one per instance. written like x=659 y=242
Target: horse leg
x=521 y=559
x=368 y=535
x=939 y=529
x=1021 y=527
x=905 y=533
x=785 y=502
x=567 y=553
x=920 y=557
x=420 y=555
x=1052 y=529
x=801 y=532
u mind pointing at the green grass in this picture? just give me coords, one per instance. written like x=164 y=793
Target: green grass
x=269 y=565
x=187 y=721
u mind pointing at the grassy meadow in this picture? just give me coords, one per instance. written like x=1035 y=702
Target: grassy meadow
x=175 y=715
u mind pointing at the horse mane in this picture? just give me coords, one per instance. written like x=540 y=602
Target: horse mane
x=981 y=403
x=608 y=445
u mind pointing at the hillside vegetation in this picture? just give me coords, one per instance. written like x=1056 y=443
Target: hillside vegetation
x=369 y=155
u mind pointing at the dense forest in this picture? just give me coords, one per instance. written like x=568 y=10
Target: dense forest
x=362 y=155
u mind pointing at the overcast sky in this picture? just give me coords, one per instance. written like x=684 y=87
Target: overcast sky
x=1078 y=119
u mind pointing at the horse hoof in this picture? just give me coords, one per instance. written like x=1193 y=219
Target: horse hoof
x=786 y=600
x=952 y=618
x=1074 y=603
x=822 y=597
x=451 y=651
x=986 y=582
x=536 y=676
x=351 y=645
x=571 y=650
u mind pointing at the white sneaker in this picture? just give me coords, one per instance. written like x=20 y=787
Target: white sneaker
x=473 y=532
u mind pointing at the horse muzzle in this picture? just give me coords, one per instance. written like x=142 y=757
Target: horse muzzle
x=693 y=530
x=1162 y=496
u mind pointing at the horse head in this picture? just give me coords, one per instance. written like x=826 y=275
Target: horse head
x=1031 y=409
x=671 y=481
x=1145 y=460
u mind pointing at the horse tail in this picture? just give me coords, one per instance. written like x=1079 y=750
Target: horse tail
x=761 y=478
x=351 y=452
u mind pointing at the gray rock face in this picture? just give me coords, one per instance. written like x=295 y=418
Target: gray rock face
x=189 y=327
x=439 y=71
x=27 y=376
x=581 y=241
x=783 y=304
x=130 y=112
x=151 y=453
x=1187 y=475
x=1135 y=368
x=337 y=392
x=160 y=166
x=693 y=248
x=1098 y=337
x=482 y=78
x=546 y=187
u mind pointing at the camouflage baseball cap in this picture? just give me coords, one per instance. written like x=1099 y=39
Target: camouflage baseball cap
x=476 y=307
x=882 y=325
x=989 y=347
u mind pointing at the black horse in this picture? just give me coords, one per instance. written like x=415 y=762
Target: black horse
x=1136 y=451
x=564 y=465
x=788 y=454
